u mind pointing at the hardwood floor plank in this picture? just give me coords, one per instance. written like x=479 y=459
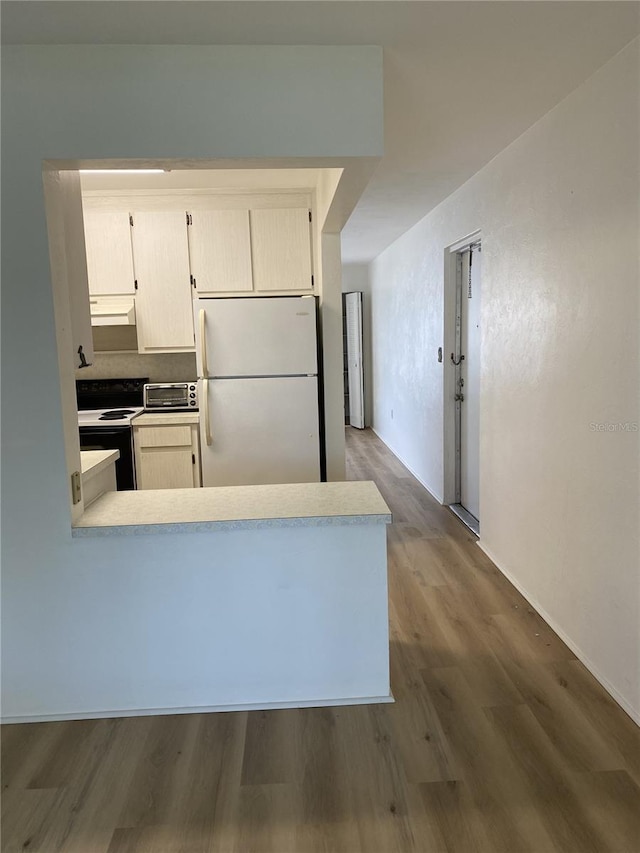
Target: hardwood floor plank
x=612 y=800
x=269 y=752
x=457 y=824
x=509 y=818
x=608 y=719
x=377 y=788
x=26 y=748
x=25 y=817
x=267 y=818
x=488 y=681
x=95 y=799
x=563 y=720
x=217 y=780
x=499 y=740
x=563 y=811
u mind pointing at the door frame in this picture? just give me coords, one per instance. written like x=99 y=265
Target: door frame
x=451 y=342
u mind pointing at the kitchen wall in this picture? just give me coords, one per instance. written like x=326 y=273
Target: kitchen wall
x=75 y=635
x=558 y=213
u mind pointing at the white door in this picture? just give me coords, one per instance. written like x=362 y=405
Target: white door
x=353 y=307
x=470 y=387
x=267 y=336
x=259 y=431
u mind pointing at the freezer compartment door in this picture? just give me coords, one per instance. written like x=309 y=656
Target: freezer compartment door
x=268 y=336
x=260 y=431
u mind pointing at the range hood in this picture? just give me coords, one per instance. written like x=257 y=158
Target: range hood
x=113 y=311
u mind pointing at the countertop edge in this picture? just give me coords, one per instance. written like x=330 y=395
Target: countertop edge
x=231 y=525
x=97 y=467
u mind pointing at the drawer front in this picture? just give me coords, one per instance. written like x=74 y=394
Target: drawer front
x=164 y=436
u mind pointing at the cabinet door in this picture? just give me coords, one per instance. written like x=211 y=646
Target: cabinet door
x=281 y=249
x=220 y=251
x=163 y=300
x=165 y=457
x=109 y=260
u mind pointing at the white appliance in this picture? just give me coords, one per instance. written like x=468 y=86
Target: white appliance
x=106 y=409
x=257 y=362
x=179 y=396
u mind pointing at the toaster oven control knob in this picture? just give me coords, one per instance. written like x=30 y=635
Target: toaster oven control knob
x=192 y=395
x=192 y=402
x=192 y=387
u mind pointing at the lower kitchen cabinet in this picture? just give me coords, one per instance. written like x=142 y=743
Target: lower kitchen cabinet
x=167 y=452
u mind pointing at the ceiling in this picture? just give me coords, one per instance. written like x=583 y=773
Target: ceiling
x=462 y=80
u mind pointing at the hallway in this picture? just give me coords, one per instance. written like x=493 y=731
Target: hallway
x=499 y=740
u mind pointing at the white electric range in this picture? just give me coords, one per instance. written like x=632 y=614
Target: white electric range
x=106 y=410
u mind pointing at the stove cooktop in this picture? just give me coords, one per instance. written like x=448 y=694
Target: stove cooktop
x=109 y=403
x=112 y=417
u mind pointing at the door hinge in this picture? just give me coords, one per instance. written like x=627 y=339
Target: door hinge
x=135 y=284
x=193 y=281
x=309 y=216
x=189 y=219
x=312 y=282
x=130 y=219
x=76 y=487
x=193 y=458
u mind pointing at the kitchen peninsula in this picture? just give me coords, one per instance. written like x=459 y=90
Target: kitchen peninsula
x=98 y=473
x=278 y=597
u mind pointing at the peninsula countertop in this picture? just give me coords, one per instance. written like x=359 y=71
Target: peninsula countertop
x=94 y=461
x=233 y=508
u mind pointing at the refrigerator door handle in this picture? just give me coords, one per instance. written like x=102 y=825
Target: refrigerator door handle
x=207 y=420
x=203 y=343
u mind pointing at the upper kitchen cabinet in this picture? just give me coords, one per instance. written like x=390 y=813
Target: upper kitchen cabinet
x=220 y=251
x=109 y=260
x=281 y=250
x=163 y=297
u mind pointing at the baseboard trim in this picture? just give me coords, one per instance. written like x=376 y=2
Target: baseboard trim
x=409 y=468
x=551 y=622
x=197 y=709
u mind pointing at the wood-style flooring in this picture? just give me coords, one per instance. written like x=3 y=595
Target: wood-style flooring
x=499 y=741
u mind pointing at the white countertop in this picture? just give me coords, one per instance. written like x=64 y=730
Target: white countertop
x=162 y=418
x=94 y=461
x=232 y=508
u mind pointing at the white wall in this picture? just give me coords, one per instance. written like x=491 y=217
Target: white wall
x=559 y=216
x=203 y=621
x=76 y=102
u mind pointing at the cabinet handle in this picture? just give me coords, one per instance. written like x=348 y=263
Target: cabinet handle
x=207 y=422
x=203 y=343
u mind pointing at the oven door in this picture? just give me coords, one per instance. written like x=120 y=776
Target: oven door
x=113 y=438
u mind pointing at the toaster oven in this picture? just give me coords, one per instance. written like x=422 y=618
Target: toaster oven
x=179 y=396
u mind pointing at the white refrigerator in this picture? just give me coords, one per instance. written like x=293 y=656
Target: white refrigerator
x=257 y=361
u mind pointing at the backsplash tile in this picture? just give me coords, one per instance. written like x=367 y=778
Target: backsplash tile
x=160 y=367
